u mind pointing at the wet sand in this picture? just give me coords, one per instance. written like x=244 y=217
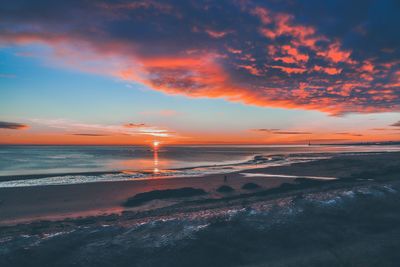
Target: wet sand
x=24 y=204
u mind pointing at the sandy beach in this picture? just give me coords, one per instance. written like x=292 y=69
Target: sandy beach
x=364 y=197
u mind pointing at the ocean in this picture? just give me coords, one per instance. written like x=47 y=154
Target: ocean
x=52 y=165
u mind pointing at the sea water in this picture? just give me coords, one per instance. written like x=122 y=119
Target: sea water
x=48 y=165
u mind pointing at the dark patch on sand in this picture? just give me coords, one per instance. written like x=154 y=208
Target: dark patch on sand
x=163 y=194
x=250 y=186
x=225 y=189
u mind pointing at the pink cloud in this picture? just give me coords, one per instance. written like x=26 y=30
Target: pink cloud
x=217 y=34
x=251 y=69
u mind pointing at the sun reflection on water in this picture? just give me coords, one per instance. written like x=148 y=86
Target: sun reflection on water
x=150 y=162
x=155 y=161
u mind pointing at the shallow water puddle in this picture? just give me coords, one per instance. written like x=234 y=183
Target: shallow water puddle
x=286 y=176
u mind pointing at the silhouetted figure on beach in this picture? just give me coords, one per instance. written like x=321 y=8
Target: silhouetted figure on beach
x=225 y=178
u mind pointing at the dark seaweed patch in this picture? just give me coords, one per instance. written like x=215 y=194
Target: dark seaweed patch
x=250 y=186
x=225 y=189
x=163 y=194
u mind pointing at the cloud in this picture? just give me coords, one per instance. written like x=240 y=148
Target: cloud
x=350 y=134
x=134 y=125
x=381 y=129
x=278 y=131
x=396 y=124
x=291 y=132
x=13 y=125
x=217 y=34
x=90 y=134
x=326 y=140
x=330 y=56
x=100 y=129
x=264 y=130
x=388 y=129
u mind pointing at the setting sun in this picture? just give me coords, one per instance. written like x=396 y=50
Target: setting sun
x=156 y=144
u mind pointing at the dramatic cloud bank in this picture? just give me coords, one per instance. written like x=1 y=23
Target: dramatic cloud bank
x=332 y=56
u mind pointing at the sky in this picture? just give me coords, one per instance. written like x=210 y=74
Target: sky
x=199 y=72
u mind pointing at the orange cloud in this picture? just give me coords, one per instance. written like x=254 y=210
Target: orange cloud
x=290 y=70
x=336 y=54
x=292 y=51
x=331 y=71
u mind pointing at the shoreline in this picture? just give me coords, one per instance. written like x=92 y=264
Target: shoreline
x=58 y=202
x=249 y=162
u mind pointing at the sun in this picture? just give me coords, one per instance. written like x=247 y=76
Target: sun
x=156 y=144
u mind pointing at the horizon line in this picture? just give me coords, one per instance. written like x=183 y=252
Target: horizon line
x=205 y=144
